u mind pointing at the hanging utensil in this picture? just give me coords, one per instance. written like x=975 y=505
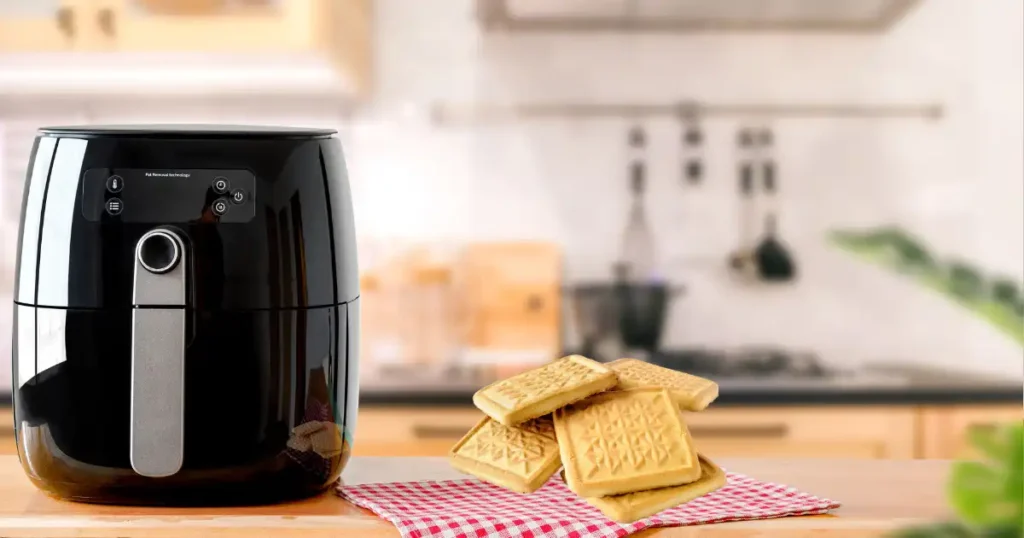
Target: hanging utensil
x=692 y=144
x=637 y=251
x=773 y=260
x=741 y=259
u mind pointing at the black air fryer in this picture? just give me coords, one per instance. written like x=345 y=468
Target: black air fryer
x=186 y=318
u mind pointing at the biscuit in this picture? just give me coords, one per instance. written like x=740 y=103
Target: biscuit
x=300 y=444
x=540 y=391
x=327 y=442
x=307 y=428
x=520 y=458
x=631 y=507
x=625 y=441
x=690 y=392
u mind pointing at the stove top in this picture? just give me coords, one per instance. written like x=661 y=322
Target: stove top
x=759 y=362
x=741 y=369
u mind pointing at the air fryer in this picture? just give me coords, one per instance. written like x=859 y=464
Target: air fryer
x=186 y=318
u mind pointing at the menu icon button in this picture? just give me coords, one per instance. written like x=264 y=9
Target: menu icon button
x=114 y=206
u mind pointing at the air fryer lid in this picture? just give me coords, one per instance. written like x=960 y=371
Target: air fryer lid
x=286 y=242
x=188 y=131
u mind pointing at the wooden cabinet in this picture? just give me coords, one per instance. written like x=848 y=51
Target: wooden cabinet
x=511 y=299
x=799 y=432
x=945 y=430
x=830 y=432
x=335 y=34
x=7 y=445
x=857 y=432
x=409 y=431
x=39 y=25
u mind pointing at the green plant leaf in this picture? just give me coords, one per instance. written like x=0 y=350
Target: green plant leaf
x=1002 y=531
x=990 y=493
x=989 y=442
x=896 y=251
x=949 y=529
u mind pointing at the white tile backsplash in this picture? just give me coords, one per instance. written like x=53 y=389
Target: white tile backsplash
x=956 y=182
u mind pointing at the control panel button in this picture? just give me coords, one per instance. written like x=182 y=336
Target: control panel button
x=220 y=206
x=221 y=185
x=238 y=196
x=115 y=184
x=114 y=206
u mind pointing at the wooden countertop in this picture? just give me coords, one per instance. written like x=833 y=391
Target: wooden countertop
x=876 y=496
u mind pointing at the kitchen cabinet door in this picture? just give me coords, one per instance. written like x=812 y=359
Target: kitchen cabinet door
x=338 y=30
x=410 y=431
x=42 y=25
x=795 y=432
x=7 y=444
x=946 y=430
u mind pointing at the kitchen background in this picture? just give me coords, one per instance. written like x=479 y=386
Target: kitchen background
x=508 y=156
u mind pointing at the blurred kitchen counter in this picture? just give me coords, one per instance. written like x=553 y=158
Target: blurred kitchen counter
x=927 y=414
x=927 y=418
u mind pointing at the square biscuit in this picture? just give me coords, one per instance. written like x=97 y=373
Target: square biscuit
x=625 y=441
x=631 y=507
x=690 y=392
x=540 y=391
x=520 y=458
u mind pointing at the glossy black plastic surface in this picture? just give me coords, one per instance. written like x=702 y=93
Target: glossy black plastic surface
x=272 y=310
x=297 y=250
x=163 y=196
x=251 y=378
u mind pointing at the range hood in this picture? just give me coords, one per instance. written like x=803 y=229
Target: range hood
x=853 y=16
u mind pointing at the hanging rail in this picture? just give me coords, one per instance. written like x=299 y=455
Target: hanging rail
x=447 y=113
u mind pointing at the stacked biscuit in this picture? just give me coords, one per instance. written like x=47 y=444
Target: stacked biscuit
x=616 y=429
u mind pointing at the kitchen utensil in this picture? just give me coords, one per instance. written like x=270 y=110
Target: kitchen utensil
x=692 y=142
x=596 y=316
x=742 y=260
x=642 y=311
x=187 y=300
x=773 y=260
x=637 y=252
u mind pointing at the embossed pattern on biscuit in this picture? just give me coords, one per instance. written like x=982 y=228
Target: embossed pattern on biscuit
x=629 y=507
x=520 y=457
x=540 y=391
x=625 y=441
x=691 y=392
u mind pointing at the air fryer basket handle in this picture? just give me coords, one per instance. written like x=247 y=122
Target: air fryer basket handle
x=158 y=354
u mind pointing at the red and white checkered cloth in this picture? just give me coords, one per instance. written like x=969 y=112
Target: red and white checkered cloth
x=475 y=509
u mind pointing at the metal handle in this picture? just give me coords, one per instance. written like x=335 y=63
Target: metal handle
x=66 y=21
x=760 y=431
x=158 y=354
x=439 y=432
x=105 y=18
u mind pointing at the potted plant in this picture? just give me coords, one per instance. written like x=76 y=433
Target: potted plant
x=987 y=495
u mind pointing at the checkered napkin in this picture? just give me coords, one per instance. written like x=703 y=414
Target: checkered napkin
x=475 y=509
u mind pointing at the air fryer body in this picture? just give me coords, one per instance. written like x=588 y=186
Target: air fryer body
x=186 y=315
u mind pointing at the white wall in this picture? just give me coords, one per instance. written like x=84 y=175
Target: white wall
x=957 y=183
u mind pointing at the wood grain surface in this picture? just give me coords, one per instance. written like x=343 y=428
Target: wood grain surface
x=876 y=496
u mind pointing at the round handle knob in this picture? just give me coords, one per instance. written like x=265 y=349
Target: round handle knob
x=159 y=251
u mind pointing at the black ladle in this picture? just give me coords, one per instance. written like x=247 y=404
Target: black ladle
x=772 y=258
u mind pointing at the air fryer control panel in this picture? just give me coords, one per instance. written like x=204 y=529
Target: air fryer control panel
x=168 y=196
